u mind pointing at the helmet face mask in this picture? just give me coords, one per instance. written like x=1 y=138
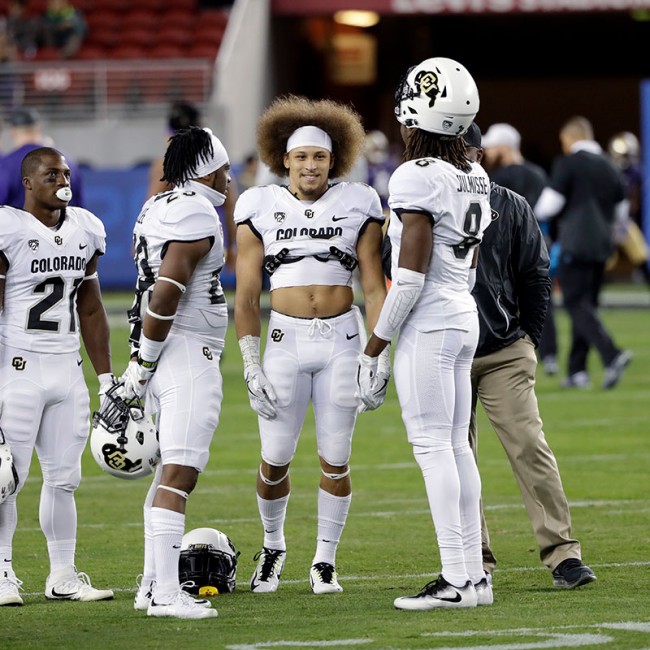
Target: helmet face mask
x=8 y=475
x=439 y=96
x=123 y=440
x=208 y=559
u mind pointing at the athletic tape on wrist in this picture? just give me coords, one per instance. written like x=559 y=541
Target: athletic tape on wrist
x=149 y=350
x=250 y=350
x=92 y=276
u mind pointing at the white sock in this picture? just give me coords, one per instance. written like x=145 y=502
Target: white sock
x=57 y=514
x=273 y=513
x=332 y=514
x=167 y=528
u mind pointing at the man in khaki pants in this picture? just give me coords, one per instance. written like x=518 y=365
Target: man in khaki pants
x=512 y=291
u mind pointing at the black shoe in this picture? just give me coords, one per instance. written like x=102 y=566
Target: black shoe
x=572 y=573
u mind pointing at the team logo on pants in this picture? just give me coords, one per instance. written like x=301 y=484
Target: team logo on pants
x=19 y=363
x=277 y=335
x=207 y=353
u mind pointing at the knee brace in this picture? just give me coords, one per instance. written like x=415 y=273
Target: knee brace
x=180 y=493
x=336 y=477
x=269 y=482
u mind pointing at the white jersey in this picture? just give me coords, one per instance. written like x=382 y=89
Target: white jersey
x=45 y=268
x=182 y=215
x=458 y=203
x=305 y=232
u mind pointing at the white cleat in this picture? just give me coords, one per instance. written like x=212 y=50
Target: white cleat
x=68 y=584
x=323 y=579
x=266 y=578
x=143 y=594
x=182 y=606
x=9 y=589
x=439 y=594
x=484 y=594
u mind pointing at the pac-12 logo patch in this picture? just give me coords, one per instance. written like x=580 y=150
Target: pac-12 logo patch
x=280 y=217
x=33 y=244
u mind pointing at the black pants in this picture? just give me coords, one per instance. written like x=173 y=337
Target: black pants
x=581 y=283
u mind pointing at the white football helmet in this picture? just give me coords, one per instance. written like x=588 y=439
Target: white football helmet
x=123 y=440
x=439 y=95
x=8 y=475
x=208 y=559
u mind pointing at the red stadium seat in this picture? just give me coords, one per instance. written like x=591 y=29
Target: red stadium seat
x=177 y=18
x=153 y=5
x=212 y=18
x=102 y=20
x=137 y=37
x=105 y=37
x=208 y=35
x=128 y=52
x=89 y=52
x=173 y=36
x=166 y=51
x=141 y=19
x=202 y=51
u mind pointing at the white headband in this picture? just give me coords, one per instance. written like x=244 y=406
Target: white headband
x=309 y=136
x=219 y=157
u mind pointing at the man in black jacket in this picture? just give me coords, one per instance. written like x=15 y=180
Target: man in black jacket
x=512 y=292
x=585 y=195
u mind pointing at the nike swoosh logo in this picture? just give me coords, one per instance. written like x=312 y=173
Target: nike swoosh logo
x=456 y=599
x=80 y=362
x=82 y=247
x=349 y=337
x=338 y=218
x=56 y=594
x=176 y=546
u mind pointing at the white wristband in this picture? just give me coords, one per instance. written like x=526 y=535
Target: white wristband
x=149 y=349
x=250 y=350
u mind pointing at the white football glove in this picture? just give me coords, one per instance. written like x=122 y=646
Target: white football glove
x=135 y=379
x=106 y=380
x=373 y=375
x=261 y=395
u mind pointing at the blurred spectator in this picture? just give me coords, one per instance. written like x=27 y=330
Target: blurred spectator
x=380 y=164
x=248 y=175
x=507 y=166
x=182 y=115
x=10 y=86
x=26 y=132
x=586 y=194
x=21 y=28
x=63 y=27
x=623 y=148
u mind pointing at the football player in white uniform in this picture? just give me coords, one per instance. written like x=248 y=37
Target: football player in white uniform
x=440 y=208
x=309 y=236
x=49 y=295
x=179 y=320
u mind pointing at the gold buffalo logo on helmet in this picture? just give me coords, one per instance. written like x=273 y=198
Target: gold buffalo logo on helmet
x=426 y=83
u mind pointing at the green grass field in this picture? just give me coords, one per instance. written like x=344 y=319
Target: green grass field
x=602 y=444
